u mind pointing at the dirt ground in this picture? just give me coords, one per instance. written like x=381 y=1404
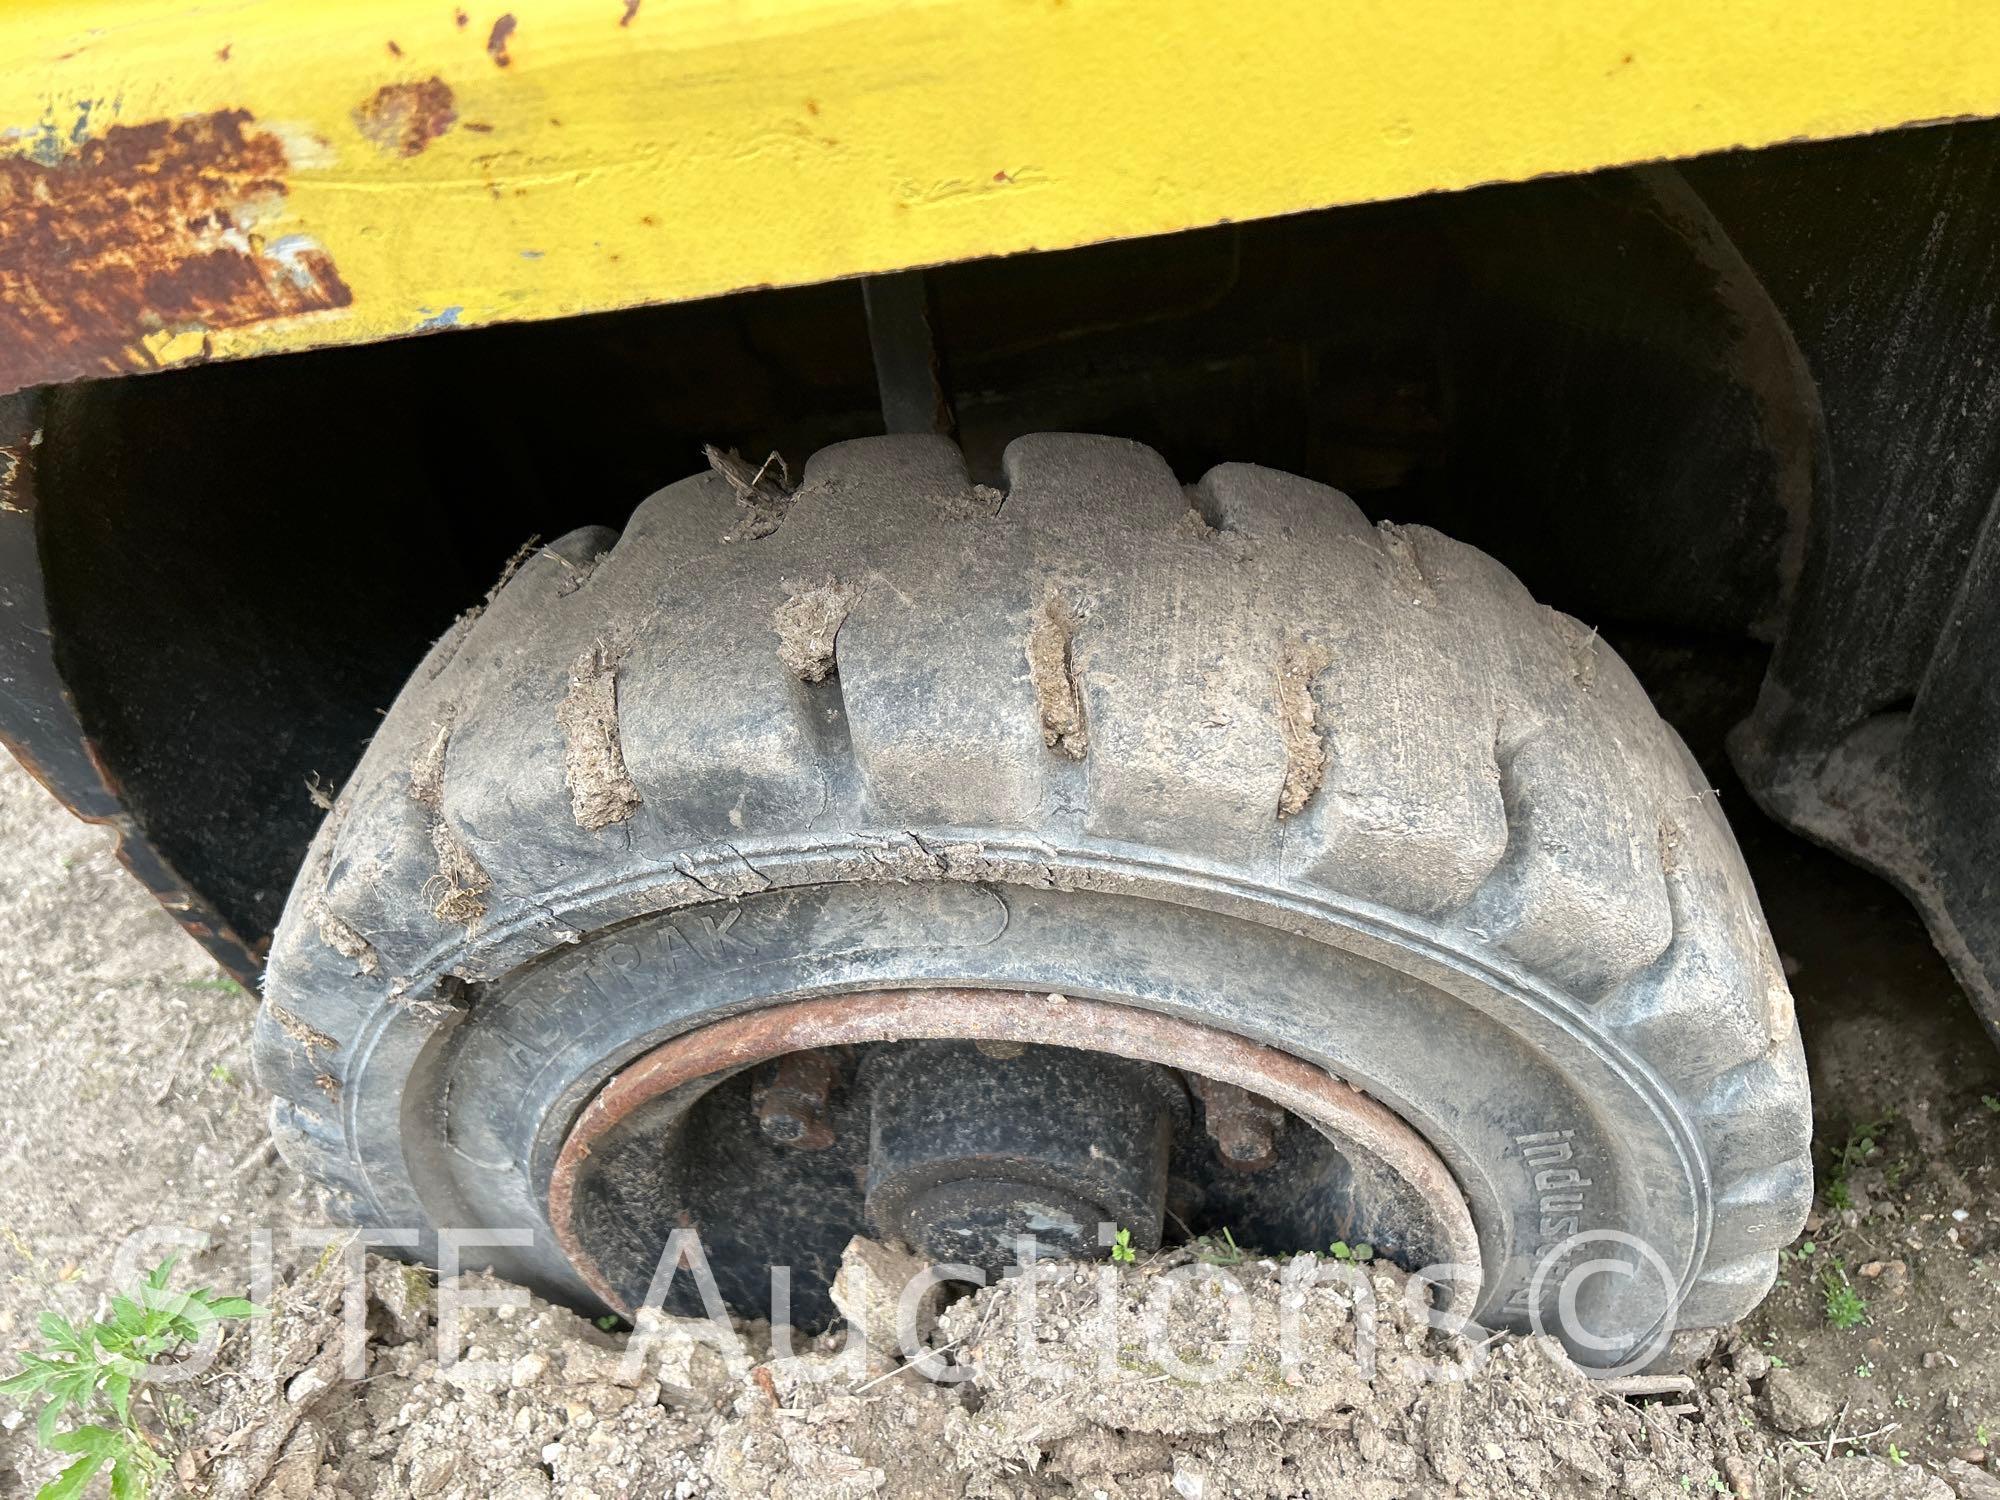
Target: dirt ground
x=125 y=1103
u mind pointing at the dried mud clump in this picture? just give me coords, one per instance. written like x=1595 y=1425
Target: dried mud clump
x=1052 y=669
x=808 y=624
x=601 y=790
x=458 y=890
x=1299 y=663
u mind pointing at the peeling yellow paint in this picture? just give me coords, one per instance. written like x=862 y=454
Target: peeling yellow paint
x=169 y=348
x=707 y=145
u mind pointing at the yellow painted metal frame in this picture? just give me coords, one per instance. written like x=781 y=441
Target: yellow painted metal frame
x=601 y=154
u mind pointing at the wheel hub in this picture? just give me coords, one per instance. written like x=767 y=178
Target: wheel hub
x=974 y=1146
x=946 y=1119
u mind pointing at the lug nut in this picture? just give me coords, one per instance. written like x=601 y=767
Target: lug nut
x=790 y=1101
x=1243 y=1126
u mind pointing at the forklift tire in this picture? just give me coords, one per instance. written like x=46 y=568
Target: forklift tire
x=1226 y=753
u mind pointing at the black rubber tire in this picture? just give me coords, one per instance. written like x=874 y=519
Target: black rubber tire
x=1227 y=750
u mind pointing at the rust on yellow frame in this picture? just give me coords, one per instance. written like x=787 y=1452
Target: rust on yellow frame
x=181 y=181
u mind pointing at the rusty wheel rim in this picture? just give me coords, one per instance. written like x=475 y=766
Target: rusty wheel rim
x=1354 y=1122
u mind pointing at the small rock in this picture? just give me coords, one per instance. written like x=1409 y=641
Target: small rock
x=524 y=1484
x=603 y=1399
x=292 y=1476
x=1970 y=1483
x=685 y=1353
x=432 y=1470
x=1687 y=1348
x=528 y=1369
x=1859 y=1476
x=868 y=1289
x=1369 y=1442
x=1752 y=1363
x=405 y=1294
x=1795 y=1404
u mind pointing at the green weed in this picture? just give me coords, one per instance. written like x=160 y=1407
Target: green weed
x=219 y=985
x=1855 y=1150
x=1218 y=1252
x=1844 y=1305
x=1121 y=1248
x=87 y=1375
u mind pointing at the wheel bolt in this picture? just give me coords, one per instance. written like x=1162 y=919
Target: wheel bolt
x=790 y=1102
x=1243 y=1126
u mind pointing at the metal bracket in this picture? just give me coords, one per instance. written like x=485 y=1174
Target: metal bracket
x=906 y=358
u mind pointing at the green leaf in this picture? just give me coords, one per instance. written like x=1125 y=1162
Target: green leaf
x=235 y=1307
x=130 y=1312
x=128 y=1481
x=99 y=1442
x=156 y=1279
x=118 y=1391
x=46 y=1418
x=59 y=1331
x=97 y=1445
x=25 y=1382
x=70 y=1483
x=162 y=1315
